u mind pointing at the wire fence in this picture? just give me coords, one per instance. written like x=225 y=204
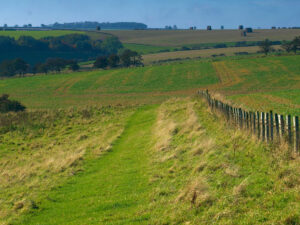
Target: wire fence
x=267 y=126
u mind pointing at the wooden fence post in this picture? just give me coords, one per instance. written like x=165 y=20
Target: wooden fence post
x=277 y=126
x=250 y=121
x=296 y=125
x=241 y=118
x=282 y=125
x=247 y=120
x=263 y=126
x=236 y=117
x=254 y=122
x=289 y=124
x=267 y=127
x=258 y=124
x=271 y=126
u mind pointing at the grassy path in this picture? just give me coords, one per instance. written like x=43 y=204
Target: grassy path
x=112 y=189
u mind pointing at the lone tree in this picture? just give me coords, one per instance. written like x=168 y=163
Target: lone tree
x=266 y=46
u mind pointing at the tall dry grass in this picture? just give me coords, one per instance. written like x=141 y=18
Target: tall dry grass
x=41 y=149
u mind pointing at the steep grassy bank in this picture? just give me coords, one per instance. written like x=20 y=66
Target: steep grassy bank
x=205 y=173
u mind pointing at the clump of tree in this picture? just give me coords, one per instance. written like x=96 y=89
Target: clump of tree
x=18 y=66
x=291 y=46
x=266 y=46
x=10 y=68
x=131 y=58
x=55 y=65
x=125 y=58
x=101 y=62
x=7 y=105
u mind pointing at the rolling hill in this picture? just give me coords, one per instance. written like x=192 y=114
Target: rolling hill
x=274 y=80
x=137 y=146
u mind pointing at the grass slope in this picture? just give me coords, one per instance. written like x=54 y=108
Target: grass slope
x=112 y=189
x=178 y=164
x=120 y=86
x=41 y=150
x=206 y=173
x=259 y=83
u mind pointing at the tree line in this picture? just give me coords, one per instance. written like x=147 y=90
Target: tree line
x=65 y=43
x=93 y=25
x=9 y=68
x=125 y=58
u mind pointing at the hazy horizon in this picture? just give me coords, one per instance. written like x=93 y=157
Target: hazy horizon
x=156 y=14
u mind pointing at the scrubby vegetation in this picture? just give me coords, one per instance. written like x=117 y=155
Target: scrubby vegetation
x=7 y=105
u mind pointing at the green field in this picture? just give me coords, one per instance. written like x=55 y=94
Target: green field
x=274 y=80
x=120 y=86
x=38 y=34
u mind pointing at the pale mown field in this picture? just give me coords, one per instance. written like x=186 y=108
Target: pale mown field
x=150 y=58
x=186 y=37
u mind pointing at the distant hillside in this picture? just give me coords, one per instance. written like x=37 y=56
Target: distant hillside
x=93 y=25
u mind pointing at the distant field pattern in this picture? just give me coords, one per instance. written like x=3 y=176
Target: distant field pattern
x=177 y=38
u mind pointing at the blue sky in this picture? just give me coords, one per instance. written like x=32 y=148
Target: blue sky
x=155 y=13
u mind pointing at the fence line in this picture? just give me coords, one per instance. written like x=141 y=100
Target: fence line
x=267 y=126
